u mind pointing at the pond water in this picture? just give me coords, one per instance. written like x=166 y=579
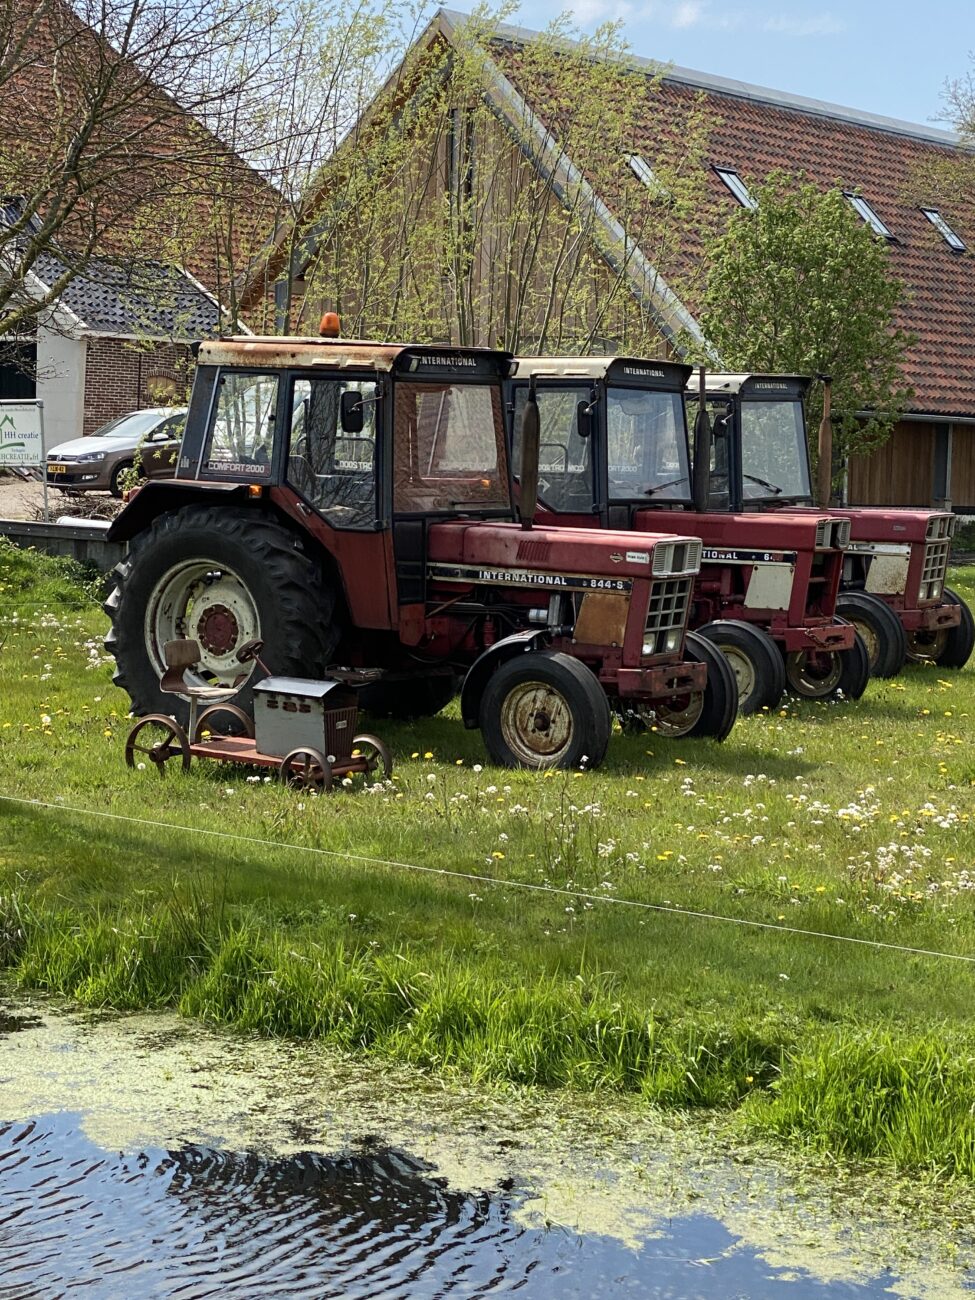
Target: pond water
x=144 y=1157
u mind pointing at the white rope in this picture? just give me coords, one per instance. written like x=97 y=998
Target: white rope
x=559 y=890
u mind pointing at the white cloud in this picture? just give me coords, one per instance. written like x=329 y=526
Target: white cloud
x=687 y=14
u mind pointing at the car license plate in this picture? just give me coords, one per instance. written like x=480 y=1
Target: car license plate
x=57 y=469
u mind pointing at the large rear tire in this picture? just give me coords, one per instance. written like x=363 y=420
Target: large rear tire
x=881 y=630
x=951 y=647
x=544 y=709
x=220 y=576
x=407 y=698
x=754 y=659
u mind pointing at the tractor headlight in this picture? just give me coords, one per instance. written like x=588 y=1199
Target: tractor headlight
x=650 y=646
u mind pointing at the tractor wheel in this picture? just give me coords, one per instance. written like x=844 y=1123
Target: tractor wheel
x=221 y=577
x=951 y=647
x=755 y=661
x=407 y=698
x=880 y=628
x=710 y=712
x=824 y=674
x=544 y=709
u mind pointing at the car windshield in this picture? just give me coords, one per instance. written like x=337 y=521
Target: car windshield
x=134 y=426
x=774 y=459
x=646 y=449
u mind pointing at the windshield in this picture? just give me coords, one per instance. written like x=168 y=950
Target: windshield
x=133 y=426
x=774 y=460
x=646 y=449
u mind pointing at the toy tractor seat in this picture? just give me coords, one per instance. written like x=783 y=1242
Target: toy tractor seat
x=183 y=654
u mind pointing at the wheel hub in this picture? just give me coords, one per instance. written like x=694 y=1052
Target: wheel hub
x=217 y=630
x=536 y=722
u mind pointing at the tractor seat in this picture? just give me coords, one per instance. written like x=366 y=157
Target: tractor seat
x=185 y=653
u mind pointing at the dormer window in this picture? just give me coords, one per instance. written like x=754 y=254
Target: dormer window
x=863 y=209
x=642 y=170
x=954 y=242
x=737 y=186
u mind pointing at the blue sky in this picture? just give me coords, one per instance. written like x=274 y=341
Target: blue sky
x=891 y=58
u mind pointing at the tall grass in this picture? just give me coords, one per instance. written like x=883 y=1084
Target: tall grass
x=853 y=820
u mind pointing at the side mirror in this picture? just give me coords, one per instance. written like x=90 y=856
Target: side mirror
x=528 y=470
x=351 y=411
x=584 y=419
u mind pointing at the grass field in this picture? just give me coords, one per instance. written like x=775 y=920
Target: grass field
x=853 y=820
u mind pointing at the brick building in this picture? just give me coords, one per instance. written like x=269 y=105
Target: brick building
x=117 y=340
x=930 y=458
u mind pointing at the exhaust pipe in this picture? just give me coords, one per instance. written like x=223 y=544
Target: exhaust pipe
x=528 y=470
x=824 y=468
x=701 y=485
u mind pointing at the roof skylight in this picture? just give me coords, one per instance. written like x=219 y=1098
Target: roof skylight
x=954 y=242
x=642 y=170
x=861 y=206
x=737 y=186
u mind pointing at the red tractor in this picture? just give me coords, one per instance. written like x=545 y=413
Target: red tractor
x=350 y=505
x=893 y=586
x=614 y=454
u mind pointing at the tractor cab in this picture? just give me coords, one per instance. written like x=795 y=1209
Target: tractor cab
x=896 y=557
x=759 y=457
x=613 y=434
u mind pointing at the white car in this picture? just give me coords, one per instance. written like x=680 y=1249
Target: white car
x=95 y=463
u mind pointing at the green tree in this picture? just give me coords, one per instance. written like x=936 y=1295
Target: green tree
x=801 y=285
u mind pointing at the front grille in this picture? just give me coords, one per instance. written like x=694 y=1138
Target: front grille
x=935 y=568
x=667 y=615
x=677 y=557
x=339 y=731
x=939 y=526
x=832 y=533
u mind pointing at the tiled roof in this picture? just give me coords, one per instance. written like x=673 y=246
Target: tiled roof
x=757 y=131
x=145 y=298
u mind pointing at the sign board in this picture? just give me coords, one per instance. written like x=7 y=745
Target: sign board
x=21 y=433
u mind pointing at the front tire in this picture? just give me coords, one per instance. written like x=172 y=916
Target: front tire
x=221 y=576
x=880 y=628
x=950 y=648
x=710 y=712
x=115 y=482
x=544 y=709
x=824 y=674
x=754 y=659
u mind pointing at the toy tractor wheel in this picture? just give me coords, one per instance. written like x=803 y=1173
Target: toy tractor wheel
x=755 y=661
x=544 y=709
x=880 y=629
x=244 y=725
x=823 y=674
x=950 y=647
x=375 y=753
x=306 y=769
x=157 y=739
x=221 y=576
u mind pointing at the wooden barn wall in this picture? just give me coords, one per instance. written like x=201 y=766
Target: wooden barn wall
x=900 y=473
x=963 y=467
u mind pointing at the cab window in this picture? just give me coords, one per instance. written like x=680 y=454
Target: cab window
x=646 y=445
x=448 y=449
x=242 y=437
x=332 y=448
x=565 y=468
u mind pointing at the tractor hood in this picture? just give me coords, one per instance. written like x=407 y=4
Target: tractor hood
x=883 y=524
x=567 y=558
x=779 y=530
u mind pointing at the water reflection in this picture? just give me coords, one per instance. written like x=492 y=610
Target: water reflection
x=200 y=1222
